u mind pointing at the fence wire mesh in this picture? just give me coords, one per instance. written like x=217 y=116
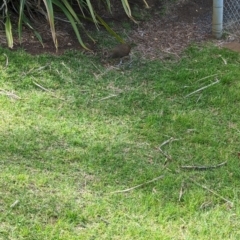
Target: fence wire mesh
x=231 y=17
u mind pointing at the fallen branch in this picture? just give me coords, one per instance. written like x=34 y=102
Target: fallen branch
x=213 y=192
x=140 y=185
x=204 y=167
x=200 y=89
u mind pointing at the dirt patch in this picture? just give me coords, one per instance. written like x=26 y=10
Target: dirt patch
x=234 y=46
x=66 y=39
x=187 y=22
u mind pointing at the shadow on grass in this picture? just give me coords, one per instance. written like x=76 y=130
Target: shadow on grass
x=111 y=123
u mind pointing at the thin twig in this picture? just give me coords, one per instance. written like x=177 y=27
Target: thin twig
x=164 y=143
x=204 y=167
x=9 y=94
x=171 y=139
x=167 y=141
x=110 y=96
x=181 y=192
x=200 y=95
x=140 y=185
x=69 y=69
x=200 y=89
x=45 y=89
x=36 y=70
x=211 y=191
x=96 y=67
x=165 y=155
x=170 y=52
x=14 y=204
x=206 y=77
x=101 y=73
x=224 y=60
x=6 y=65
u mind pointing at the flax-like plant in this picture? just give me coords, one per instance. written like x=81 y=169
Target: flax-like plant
x=27 y=11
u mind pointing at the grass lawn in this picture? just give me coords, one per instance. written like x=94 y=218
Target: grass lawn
x=81 y=147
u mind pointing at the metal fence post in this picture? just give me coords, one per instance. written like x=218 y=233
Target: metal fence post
x=217 y=20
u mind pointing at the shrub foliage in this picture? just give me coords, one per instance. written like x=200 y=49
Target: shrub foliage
x=75 y=11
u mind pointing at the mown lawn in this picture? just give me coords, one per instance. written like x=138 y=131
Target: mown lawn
x=73 y=134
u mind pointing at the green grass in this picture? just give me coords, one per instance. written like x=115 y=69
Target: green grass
x=63 y=153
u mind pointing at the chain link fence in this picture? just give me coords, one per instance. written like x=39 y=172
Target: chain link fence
x=231 y=17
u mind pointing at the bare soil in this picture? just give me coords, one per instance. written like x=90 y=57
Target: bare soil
x=185 y=23
x=234 y=46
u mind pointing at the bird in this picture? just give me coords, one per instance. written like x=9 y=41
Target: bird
x=120 y=51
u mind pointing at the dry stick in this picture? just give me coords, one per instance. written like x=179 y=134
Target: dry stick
x=105 y=72
x=155 y=179
x=9 y=94
x=101 y=73
x=199 y=98
x=14 y=204
x=36 y=70
x=170 y=53
x=43 y=88
x=165 y=155
x=171 y=139
x=206 y=77
x=96 y=67
x=200 y=89
x=181 y=192
x=69 y=69
x=140 y=185
x=105 y=98
x=164 y=143
x=6 y=60
x=224 y=60
x=213 y=192
x=167 y=141
x=204 y=167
